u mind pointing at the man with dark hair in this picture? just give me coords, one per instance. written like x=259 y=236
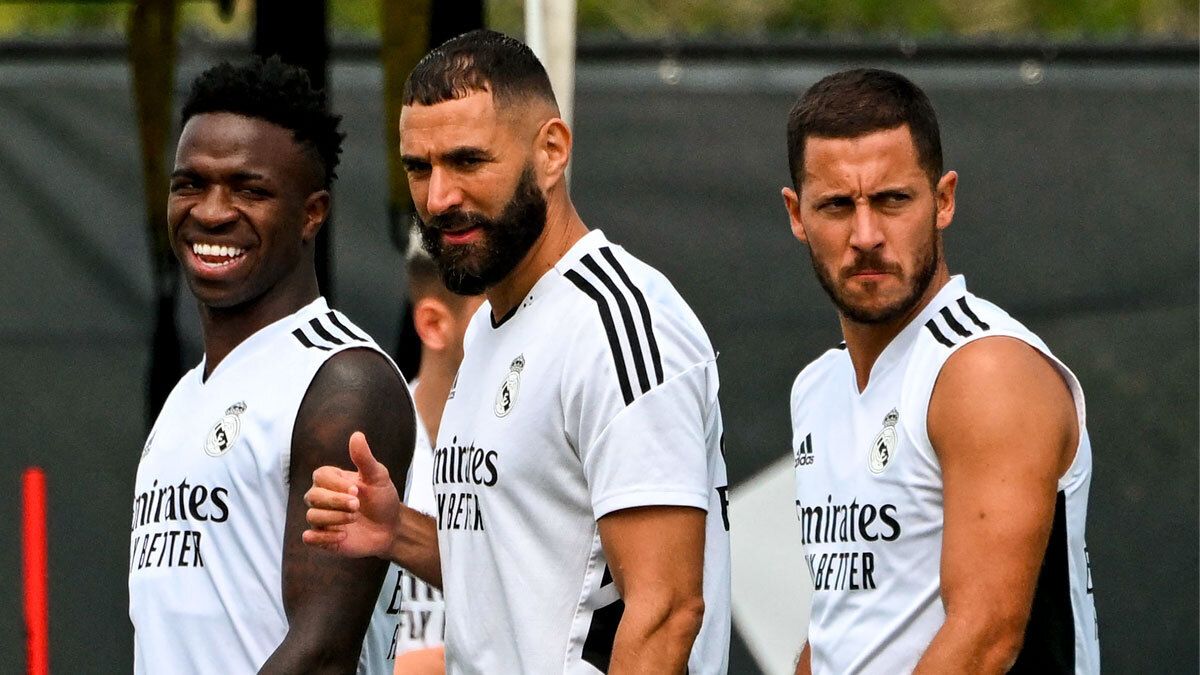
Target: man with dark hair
x=579 y=477
x=219 y=579
x=941 y=453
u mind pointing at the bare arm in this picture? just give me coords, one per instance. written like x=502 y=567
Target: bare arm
x=359 y=514
x=328 y=598
x=804 y=661
x=1003 y=424
x=656 y=554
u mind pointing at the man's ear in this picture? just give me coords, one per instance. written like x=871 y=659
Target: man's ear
x=433 y=322
x=791 y=202
x=945 y=199
x=552 y=151
x=316 y=210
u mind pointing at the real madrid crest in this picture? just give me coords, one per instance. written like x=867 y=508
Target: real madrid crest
x=884 y=445
x=225 y=431
x=506 y=398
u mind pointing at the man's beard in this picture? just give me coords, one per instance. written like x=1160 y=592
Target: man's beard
x=926 y=268
x=470 y=269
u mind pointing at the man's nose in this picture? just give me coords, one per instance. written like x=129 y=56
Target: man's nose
x=444 y=192
x=215 y=208
x=866 y=232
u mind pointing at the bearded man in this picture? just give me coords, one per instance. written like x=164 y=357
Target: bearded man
x=942 y=457
x=578 y=474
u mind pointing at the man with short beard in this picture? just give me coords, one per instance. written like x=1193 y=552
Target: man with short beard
x=579 y=480
x=942 y=459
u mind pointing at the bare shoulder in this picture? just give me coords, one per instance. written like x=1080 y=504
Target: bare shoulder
x=996 y=391
x=355 y=390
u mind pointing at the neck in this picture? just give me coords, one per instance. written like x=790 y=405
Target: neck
x=563 y=229
x=224 y=329
x=436 y=376
x=866 y=341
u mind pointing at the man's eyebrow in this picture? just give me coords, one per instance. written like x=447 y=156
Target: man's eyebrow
x=247 y=175
x=465 y=152
x=186 y=172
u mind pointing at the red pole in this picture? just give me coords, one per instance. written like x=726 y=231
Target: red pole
x=37 y=600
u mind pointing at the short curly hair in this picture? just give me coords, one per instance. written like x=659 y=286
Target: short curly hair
x=278 y=93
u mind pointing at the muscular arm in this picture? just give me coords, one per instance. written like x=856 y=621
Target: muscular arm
x=1003 y=424
x=656 y=554
x=328 y=598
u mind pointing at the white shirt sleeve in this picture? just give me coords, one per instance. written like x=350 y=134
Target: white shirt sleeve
x=651 y=452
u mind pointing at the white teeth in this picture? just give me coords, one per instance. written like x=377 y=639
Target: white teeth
x=214 y=250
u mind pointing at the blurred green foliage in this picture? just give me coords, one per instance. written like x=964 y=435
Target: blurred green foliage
x=1061 y=19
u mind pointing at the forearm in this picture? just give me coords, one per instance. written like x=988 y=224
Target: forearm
x=415 y=546
x=971 y=647
x=299 y=654
x=656 y=640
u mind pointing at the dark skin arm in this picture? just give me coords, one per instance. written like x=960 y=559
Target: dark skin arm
x=328 y=598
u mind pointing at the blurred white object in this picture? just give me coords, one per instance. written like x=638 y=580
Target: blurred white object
x=550 y=33
x=772 y=590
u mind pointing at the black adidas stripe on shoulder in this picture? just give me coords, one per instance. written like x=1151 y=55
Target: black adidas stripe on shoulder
x=322 y=336
x=336 y=321
x=957 y=328
x=644 y=358
x=643 y=309
x=304 y=340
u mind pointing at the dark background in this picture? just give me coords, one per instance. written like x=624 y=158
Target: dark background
x=1077 y=212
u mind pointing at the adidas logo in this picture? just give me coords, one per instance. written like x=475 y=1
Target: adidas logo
x=804 y=453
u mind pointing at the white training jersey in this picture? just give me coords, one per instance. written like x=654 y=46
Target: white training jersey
x=409 y=613
x=869 y=500
x=598 y=392
x=210 y=500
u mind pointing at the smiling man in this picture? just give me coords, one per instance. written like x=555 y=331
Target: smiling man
x=219 y=580
x=578 y=474
x=941 y=454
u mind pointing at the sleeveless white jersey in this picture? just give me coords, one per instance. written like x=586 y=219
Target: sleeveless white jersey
x=598 y=392
x=869 y=500
x=409 y=613
x=210 y=501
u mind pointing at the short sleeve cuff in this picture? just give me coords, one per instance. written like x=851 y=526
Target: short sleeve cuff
x=629 y=500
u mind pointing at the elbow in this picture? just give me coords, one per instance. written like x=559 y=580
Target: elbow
x=1002 y=650
x=674 y=619
x=998 y=643
x=681 y=620
x=991 y=640
x=688 y=616
x=1006 y=637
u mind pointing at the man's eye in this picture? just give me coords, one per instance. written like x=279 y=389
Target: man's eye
x=181 y=186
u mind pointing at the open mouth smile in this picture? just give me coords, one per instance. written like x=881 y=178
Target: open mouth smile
x=216 y=255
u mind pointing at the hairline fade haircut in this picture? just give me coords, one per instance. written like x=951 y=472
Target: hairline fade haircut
x=478 y=61
x=275 y=92
x=854 y=103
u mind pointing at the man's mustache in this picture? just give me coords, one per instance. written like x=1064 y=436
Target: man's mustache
x=870 y=262
x=456 y=220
